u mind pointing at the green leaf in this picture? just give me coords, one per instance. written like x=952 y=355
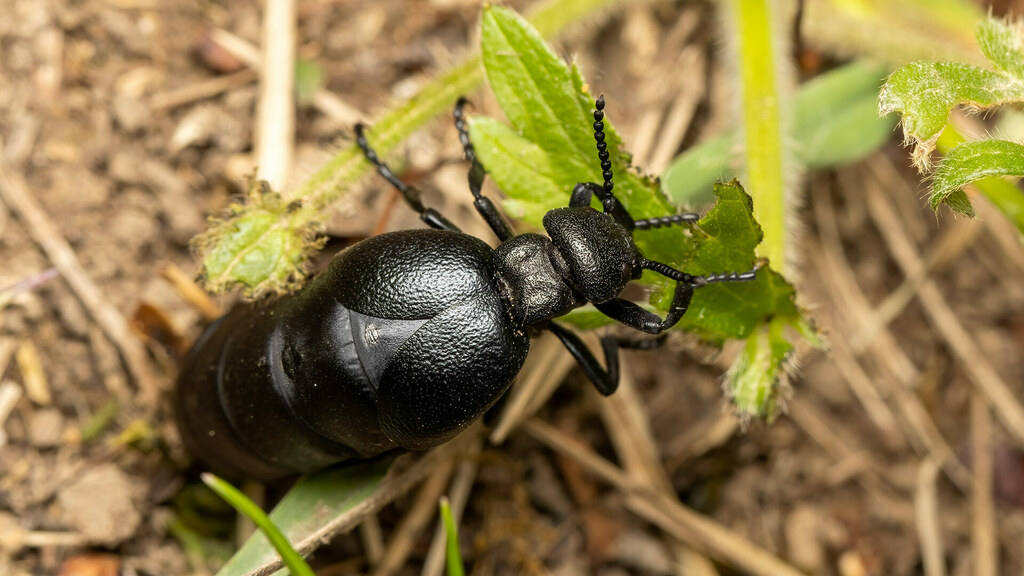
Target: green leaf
x=973 y=161
x=309 y=77
x=837 y=118
x=924 y=93
x=753 y=379
x=519 y=164
x=725 y=241
x=309 y=506
x=836 y=122
x=551 y=146
x=262 y=245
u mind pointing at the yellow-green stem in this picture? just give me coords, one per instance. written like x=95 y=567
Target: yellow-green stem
x=760 y=103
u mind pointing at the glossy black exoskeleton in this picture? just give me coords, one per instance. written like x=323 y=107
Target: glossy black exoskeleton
x=409 y=337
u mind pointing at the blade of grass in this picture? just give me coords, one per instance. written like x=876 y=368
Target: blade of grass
x=295 y=563
x=453 y=556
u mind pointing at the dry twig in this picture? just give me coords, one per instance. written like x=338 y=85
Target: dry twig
x=855 y=309
x=190 y=292
x=458 y=496
x=201 y=91
x=984 y=546
x=627 y=424
x=275 y=122
x=10 y=393
x=545 y=369
x=324 y=101
x=424 y=508
x=394 y=486
x=926 y=505
x=691 y=63
x=669 y=514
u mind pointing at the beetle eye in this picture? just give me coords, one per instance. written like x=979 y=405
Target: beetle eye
x=627 y=271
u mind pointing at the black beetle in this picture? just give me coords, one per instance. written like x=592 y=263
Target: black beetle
x=409 y=337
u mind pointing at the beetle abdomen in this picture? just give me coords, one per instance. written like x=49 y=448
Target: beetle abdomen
x=260 y=397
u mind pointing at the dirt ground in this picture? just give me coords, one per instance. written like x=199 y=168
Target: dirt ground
x=124 y=123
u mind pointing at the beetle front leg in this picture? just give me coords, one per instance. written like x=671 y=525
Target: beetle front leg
x=636 y=317
x=643 y=320
x=432 y=217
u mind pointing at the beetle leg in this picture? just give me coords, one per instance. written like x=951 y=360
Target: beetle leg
x=487 y=210
x=605 y=379
x=643 y=320
x=638 y=318
x=432 y=217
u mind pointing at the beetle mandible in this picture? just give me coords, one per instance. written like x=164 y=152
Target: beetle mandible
x=409 y=337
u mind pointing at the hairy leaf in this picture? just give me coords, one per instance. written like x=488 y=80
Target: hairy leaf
x=262 y=245
x=924 y=93
x=753 y=376
x=1000 y=41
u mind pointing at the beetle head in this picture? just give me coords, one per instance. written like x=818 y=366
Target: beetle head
x=599 y=256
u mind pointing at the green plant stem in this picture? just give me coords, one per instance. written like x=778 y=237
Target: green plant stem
x=239 y=501
x=760 y=103
x=1003 y=194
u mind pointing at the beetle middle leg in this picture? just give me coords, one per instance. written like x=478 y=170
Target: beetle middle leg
x=432 y=217
x=605 y=379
